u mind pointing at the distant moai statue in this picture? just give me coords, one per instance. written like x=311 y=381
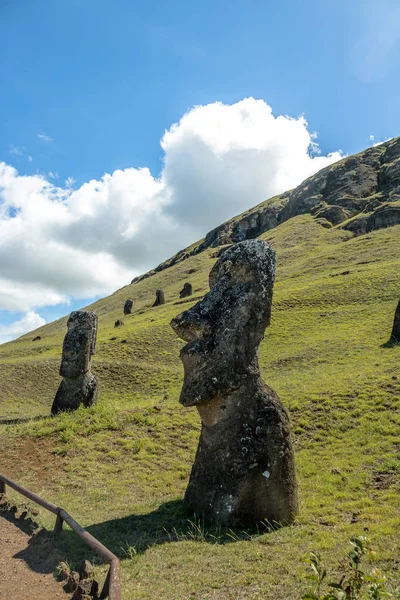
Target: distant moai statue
x=244 y=469
x=128 y=306
x=395 y=337
x=160 y=298
x=186 y=291
x=79 y=385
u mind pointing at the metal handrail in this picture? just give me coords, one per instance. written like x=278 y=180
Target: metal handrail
x=112 y=584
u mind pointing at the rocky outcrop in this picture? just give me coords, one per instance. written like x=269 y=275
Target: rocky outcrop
x=186 y=291
x=160 y=298
x=128 y=306
x=352 y=187
x=79 y=386
x=395 y=337
x=118 y=323
x=387 y=215
x=244 y=467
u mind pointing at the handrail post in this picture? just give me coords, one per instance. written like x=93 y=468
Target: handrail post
x=59 y=524
x=106 y=587
x=2 y=487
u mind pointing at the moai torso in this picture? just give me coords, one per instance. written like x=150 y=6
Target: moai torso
x=79 y=343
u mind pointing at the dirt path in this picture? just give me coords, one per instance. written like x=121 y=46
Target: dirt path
x=27 y=564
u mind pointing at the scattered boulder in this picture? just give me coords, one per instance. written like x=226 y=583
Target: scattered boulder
x=128 y=306
x=186 y=291
x=118 y=323
x=395 y=337
x=37 y=338
x=78 y=386
x=244 y=468
x=160 y=298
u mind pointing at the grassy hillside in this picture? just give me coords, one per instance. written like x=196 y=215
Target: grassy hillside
x=121 y=468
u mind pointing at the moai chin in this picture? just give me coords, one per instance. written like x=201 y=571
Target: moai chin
x=186 y=291
x=244 y=468
x=395 y=337
x=79 y=385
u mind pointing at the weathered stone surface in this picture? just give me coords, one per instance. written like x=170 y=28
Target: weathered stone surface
x=160 y=298
x=387 y=215
x=128 y=306
x=395 y=337
x=79 y=386
x=186 y=291
x=244 y=468
x=334 y=214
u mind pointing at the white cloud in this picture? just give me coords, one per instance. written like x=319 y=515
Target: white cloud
x=16 y=150
x=44 y=137
x=30 y=158
x=29 y=321
x=69 y=182
x=59 y=242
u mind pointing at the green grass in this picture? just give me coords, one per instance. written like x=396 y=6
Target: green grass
x=121 y=468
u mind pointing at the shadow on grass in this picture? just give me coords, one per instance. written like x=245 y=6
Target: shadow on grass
x=134 y=534
x=24 y=420
x=39 y=550
x=392 y=343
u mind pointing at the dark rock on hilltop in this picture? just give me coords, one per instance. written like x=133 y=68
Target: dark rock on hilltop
x=118 y=323
x=36 y=338
x=244 y=467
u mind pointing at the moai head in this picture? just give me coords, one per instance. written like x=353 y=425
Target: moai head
x=79 y=343
x=186 y=290
x=128 y=307
x=160 y=298
x=224 y=329
x=395 y=337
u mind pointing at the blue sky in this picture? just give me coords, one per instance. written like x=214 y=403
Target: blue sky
x=91 y=86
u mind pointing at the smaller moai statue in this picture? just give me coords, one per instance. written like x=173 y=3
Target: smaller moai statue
x=186 y=291
x=160 y=298
x=395 y=337
x=128 y=306
x=79 y=385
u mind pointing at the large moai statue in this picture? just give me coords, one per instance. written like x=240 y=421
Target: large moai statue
x=128 y=306
x=395 y=337
x=244 y=468
x=160 y=298
x=186 y=291
x=79 y=385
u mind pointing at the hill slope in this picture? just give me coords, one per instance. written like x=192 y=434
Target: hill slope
x=121 y=468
